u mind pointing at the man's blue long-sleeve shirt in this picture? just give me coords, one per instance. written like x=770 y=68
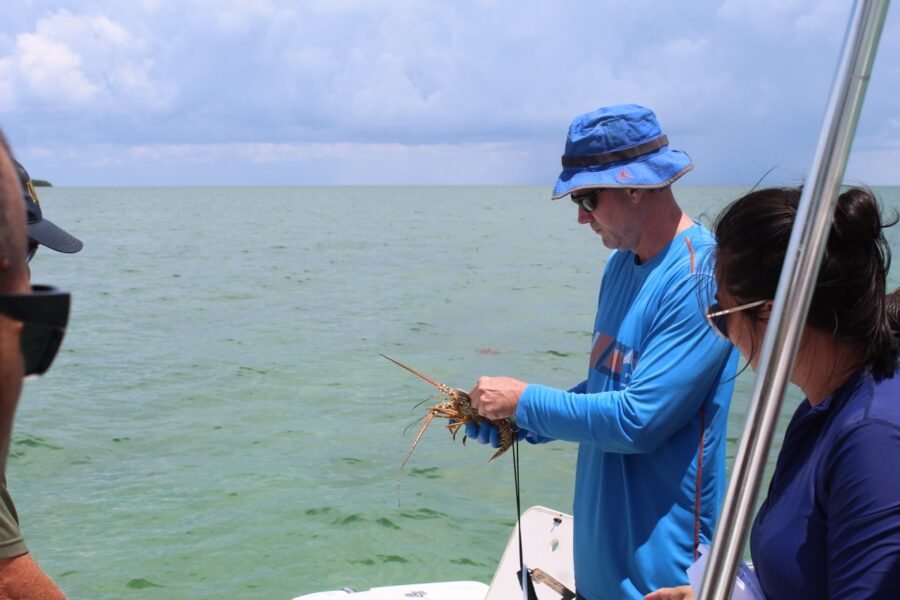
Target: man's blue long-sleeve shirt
x=650 y=417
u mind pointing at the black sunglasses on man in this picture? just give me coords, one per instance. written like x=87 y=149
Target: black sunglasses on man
x=586 y=201
x=44 y=313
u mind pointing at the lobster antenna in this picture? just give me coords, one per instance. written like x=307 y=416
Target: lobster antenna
x=414 y=372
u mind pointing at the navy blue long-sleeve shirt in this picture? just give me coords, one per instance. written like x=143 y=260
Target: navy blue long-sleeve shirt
x=830 y=525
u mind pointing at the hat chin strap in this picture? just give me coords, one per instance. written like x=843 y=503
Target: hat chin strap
x=605 y=158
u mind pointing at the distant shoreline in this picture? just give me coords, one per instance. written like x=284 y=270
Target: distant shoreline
x=41 y=183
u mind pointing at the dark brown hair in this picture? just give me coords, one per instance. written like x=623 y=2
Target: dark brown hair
x=849 y=300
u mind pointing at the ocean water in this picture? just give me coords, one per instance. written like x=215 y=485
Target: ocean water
x=219 y=423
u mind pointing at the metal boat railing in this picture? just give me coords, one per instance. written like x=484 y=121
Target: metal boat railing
x=795 y=289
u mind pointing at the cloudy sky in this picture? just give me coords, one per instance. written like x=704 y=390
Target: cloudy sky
x=296 y=92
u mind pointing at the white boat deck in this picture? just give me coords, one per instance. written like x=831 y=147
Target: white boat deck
x=547 y=546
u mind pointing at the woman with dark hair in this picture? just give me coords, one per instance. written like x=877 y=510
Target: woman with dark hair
x=830 y=524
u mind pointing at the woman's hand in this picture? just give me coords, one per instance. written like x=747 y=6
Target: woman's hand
x=683 y=592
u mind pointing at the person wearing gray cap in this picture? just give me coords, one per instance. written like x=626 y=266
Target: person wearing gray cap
x=20 y=575
x=650 y=417
x=42 y=232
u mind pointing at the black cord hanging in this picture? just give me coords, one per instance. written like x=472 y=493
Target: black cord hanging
x=523 y=575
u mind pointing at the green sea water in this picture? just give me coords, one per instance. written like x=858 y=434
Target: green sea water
x=219 y=423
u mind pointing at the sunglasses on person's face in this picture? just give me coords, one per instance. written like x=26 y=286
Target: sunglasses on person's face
x=586 y=201
x=718 y=318
x=44 y=314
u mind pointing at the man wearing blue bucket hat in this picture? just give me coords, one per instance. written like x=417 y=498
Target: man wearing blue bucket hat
x=651 y=416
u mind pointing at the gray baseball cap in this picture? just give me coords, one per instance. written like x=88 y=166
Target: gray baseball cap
x=40 y=229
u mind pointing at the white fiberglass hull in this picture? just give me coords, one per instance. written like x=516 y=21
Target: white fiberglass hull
x=546 y=547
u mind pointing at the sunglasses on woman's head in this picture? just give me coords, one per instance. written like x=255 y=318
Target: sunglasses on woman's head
x=586 y=201
x=44 y=313
x=718 y=318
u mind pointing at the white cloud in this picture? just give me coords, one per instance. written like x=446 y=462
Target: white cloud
x=801 y=18
x=45 y=67
x=239 y=15
x=291 y=164
x=823 y=19
x=735 y=83
x=7 y=86
x=86 y=64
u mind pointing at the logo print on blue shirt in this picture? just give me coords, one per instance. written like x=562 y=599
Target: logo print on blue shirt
x=613 y=359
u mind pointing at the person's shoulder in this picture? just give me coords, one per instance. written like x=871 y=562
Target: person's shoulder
x=870 y=403
x=689 y=254
x=883 y=402
x=701 y=239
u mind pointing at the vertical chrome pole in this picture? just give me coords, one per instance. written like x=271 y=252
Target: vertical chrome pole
x=795 y=289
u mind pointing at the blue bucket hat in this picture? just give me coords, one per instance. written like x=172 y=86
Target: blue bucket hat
x=618 y=146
